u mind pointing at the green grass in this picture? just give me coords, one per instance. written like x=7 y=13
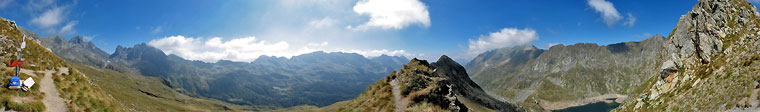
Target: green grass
x=416 y=83
x=125 y=88
x=35 y=106
x=377 y=97
x=82 y=97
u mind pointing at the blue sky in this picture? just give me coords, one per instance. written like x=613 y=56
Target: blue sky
x=241 y=30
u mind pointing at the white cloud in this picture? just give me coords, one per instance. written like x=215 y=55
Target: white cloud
x=246 y=49
x=322 y=23
x=391 y=14
x=49 y=18
x=507 y=37
x=376 y=53
x=156 y=30
x=68 y=29
x=318 y=44
x=214 y=49
x=607 y=11
x=631 y=20
x=48 y=15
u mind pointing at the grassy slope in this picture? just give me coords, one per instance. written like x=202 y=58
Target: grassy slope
x=377 y=97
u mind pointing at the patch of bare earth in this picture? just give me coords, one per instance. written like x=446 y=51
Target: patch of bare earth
x=52 y=100
x=399 y=101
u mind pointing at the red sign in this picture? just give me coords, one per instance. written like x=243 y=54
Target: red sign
x=15 y=63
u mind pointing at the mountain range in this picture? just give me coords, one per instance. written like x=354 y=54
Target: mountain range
x=709 y=62
x=317 y=78
x=566 y=76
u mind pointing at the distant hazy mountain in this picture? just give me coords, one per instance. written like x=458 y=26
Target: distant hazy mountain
x=710 y=62
x=526 y=74
x=317 y=78
x=76 y=50
x=420 y=86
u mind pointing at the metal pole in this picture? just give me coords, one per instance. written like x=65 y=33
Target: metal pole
x=23 y=42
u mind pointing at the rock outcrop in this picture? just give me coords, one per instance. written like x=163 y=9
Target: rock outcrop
x=709 y=62
x=440 y=86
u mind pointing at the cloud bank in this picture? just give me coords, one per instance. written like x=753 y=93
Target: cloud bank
x=507 y=37
x=376 y=53
x=214 y=49
x=247 y=49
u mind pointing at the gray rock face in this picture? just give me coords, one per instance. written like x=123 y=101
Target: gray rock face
x=667 y=68
x=696 y=36
x=699 y=34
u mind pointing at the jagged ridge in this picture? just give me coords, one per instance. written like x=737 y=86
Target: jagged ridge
x=440 y=86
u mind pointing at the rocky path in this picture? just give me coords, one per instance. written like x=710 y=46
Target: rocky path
x=52 y=100
x=399 y=101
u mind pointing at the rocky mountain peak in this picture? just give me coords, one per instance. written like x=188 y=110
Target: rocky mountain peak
x=58 y=39
x=77 y=40
x=447 y=67
x=137 y=51
x=445 y=59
